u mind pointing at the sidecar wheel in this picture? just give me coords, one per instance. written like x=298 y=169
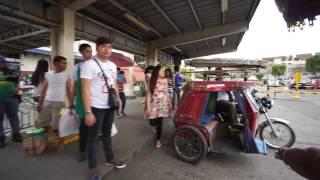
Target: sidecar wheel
x=189 y=144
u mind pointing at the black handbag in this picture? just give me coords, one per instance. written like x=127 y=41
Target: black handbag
x=113 y=99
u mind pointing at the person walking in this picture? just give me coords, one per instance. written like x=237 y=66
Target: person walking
x=52 y=99
x=178 y=83
x=99 y=117
x=121 y=80
x=86 y=52
x=37 y=78
x=158 y=102
x=8 y=102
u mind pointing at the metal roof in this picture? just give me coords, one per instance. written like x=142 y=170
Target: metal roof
x=164 y=19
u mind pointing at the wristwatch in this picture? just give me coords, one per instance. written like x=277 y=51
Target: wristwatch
x=88 y=112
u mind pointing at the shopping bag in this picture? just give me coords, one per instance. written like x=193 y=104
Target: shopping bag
x=114 y=130
x=68 y=123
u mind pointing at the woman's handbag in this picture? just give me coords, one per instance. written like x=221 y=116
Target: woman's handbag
x=113 y=101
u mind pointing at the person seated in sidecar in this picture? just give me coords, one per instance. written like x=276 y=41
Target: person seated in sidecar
x=225 y=106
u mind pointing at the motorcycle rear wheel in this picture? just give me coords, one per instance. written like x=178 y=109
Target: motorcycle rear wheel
x=281 y=141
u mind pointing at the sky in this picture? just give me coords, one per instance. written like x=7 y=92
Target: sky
x=268 y=36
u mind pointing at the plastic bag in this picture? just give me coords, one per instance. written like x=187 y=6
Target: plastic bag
x=114 y=130
x=68 y=123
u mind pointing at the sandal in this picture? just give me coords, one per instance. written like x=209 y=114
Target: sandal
x=158 y=144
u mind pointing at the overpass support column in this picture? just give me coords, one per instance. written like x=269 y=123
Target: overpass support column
x=152 y=56
x=62 y=37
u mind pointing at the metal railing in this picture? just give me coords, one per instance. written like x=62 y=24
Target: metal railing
x=26 y=113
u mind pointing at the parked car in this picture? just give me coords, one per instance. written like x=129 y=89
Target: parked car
x=316 y=84
x=301 y=85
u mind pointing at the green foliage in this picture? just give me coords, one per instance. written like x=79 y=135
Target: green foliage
x=198 y=75
x=259 y=76
x=278 y=69
x=166 y=66
x=313 y=64
x=140 y=60
x=142 y=87
x=186 y=72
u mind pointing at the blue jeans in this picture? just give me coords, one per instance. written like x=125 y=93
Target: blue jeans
x=123 y=100
x=9 y=106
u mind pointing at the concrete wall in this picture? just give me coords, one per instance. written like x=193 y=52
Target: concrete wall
x=138 y=73
x=29 y=61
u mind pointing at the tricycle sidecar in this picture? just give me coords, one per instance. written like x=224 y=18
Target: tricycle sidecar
x=199 y=126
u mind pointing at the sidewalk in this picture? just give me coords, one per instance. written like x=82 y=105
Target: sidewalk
x=134 y=133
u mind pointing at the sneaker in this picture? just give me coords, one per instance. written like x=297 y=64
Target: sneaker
x=16 y=138
x=124 y=114
x=158 y=144
x=116 y=163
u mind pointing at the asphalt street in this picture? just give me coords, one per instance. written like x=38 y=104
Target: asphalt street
x=161 y=164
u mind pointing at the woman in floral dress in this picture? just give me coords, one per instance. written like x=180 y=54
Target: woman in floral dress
x=158 y=102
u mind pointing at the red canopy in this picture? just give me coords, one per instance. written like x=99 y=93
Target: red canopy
x=120 y=60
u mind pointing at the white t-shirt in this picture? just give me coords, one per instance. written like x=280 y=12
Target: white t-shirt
x=222 y=95
x=98 y=89
x=56 y=86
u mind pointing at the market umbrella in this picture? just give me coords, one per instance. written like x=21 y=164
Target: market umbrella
x=120 y=60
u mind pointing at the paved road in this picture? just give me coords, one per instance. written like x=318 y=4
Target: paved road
x=161 y=164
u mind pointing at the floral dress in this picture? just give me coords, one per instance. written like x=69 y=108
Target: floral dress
x=159 y=104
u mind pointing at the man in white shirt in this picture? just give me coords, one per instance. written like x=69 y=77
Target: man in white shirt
x=55 y=90
x=224 y=104
x=98 y=114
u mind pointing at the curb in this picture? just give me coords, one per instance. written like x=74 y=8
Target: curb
x=301 y=92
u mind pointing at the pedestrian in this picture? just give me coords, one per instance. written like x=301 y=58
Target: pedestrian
x=38 y=78
x=121 y=80
x=8 y=102
x=86 y=52
x=56 y=88
x=178 y=83
x=158 y=103
x=99 y=117
x=171 y=87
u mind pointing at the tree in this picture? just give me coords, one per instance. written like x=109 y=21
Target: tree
x=313 y=64
x=140 y=60
x=278 y=69
x=259 y=76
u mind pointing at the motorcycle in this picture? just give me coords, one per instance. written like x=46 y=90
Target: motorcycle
x=276 y=132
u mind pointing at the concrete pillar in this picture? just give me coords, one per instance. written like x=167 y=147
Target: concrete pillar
x=152 y=56
x=128 y=88
x=62 y=38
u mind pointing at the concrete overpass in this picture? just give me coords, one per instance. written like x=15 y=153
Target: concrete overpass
x=158 y=30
